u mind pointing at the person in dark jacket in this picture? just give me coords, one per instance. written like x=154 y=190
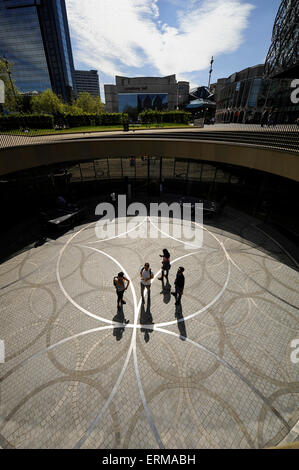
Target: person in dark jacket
x=179 y=285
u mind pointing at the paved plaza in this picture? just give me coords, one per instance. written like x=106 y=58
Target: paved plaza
x=213 y=372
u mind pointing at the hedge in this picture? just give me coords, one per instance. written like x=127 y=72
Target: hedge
x=47 y=121
x=179 y=117
x=31 y=121
x=85 y=119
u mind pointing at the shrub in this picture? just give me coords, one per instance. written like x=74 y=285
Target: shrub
x=47 y=121
x=31 y=121
x=86 y=119
x=179 y=117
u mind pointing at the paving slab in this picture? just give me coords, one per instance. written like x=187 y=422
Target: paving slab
x=213 y=372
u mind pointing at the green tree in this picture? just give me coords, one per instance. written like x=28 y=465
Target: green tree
x=46 y=103
x=72 y=109
x=12 y=94
x=89 y=103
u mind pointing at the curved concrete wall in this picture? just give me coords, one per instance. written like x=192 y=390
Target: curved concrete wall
x=278 y=162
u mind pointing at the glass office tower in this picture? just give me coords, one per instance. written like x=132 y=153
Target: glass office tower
x=34 y=36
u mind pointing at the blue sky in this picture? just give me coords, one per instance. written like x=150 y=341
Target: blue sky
x=162 y=37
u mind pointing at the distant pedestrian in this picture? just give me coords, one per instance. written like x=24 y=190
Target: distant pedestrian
x=264 y=118
x=146 y=277
x=119 y=284
x=179 y=285
x=165 y=264
x=271 y=118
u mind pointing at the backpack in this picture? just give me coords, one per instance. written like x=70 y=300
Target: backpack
x=150 y=271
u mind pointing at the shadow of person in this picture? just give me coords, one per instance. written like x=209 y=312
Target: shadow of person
x=181 y=323
x=146 y=319
x=120 y=320
x=166 y=289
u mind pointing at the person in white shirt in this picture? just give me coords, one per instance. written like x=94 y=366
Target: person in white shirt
x=146 y=277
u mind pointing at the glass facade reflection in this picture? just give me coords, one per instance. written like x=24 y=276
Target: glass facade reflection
x=252 y=101
x=21 y=43
x=141 y=101
x=34 y=36
x=31 y=191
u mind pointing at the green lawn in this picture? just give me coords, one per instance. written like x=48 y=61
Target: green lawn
x=76 y=130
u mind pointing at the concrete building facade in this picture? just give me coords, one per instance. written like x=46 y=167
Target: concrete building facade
x=140 y=93
x=237 y=96
x=244 y=96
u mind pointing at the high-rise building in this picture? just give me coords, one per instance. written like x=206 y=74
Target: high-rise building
x=283 y=57
x=34 y=37
x=87 y=81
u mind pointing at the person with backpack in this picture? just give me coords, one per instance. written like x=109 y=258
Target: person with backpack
x=179 y=285
x=146 y=277
x=119 y=284
x=165 y=264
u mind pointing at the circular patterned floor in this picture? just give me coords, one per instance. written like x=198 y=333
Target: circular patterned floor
x=213 y=372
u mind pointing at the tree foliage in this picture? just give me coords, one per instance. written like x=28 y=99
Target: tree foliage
x=89 y=104
x=46 y=103
x=12 y=95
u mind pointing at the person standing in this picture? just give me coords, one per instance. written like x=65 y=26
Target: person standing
x=165 y=264
x=270 y=118
x=119 y=284
x=146 y=277
x=264 y=118
x=179 y=285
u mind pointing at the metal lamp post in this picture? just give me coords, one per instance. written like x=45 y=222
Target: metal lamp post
x=210 y=72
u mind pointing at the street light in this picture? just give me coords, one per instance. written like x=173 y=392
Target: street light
x=210 y=72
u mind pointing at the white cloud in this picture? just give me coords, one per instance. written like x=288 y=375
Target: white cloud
x=113 y=35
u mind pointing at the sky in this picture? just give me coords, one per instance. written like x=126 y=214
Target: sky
x=163 y=37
